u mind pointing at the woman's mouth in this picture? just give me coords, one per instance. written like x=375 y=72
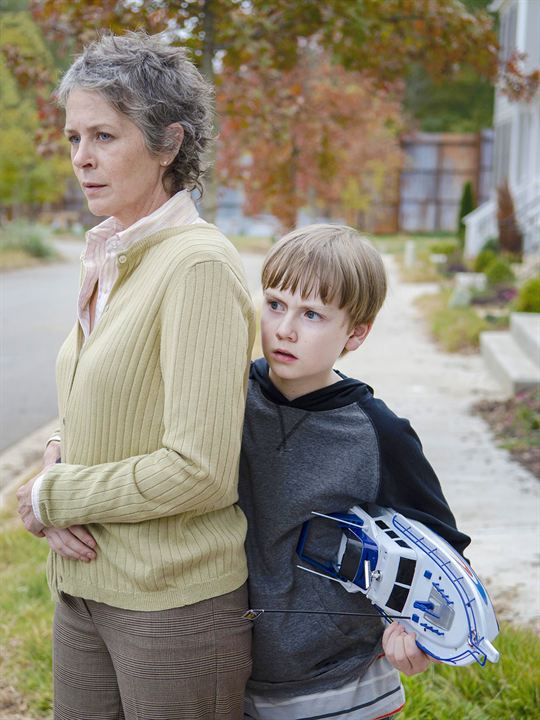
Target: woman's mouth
x=92 y=188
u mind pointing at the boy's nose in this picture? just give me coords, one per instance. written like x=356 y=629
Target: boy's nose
x=286 y=331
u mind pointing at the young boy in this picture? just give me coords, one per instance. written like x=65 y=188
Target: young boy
x=315 y=439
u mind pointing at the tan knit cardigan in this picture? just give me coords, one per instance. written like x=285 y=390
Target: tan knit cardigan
x=151 y=410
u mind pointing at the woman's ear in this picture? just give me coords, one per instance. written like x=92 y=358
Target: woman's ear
x=357 y=336
x=175 y=132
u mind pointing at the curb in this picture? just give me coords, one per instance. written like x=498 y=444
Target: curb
x=23 y=460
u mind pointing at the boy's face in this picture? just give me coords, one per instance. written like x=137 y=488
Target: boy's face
x=302 y=339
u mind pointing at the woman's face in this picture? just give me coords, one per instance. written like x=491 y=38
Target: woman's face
x=116 y=171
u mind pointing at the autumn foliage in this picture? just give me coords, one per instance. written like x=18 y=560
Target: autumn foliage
x=517 y=84
x=295 y=130
x=379 y=38
x=316 y=135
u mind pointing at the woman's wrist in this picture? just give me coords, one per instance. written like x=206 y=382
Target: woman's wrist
x=54 y=438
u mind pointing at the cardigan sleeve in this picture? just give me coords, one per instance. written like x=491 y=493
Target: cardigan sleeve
x=206 y=335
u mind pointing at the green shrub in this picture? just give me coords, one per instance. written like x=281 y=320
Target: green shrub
x=499 y=272
x=443 y=248
x=491 y=243
x=466 y=206
x=29 y=238
x=457 y=329
x=484 y=258
x=528 y=299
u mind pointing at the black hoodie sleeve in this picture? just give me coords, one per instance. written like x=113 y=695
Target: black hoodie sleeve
x=408 y=483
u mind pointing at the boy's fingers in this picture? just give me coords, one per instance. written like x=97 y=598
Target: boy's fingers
x=417 y=658
x=390 y=632
x=402 y=651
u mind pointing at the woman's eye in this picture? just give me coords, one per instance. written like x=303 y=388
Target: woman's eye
x=104 y=136
x=74 y=139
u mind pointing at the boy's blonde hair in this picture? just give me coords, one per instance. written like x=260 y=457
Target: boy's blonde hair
x=332 y=261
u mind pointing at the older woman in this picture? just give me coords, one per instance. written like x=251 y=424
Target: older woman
x=148 y=567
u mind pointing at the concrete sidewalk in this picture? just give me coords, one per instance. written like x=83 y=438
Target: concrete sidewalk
x=494 y=500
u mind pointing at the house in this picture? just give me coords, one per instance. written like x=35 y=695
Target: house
x=517 y=134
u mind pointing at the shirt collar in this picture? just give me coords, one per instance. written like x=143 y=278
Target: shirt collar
x=178 y=210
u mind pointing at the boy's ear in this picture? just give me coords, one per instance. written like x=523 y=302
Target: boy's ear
x=357 y=336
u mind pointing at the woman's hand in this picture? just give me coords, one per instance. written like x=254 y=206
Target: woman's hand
x=402 y=652
x=25 y=510
x=51 y=454
x=24 y=493
x=74 y=542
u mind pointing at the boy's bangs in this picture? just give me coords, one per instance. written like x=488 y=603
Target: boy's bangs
x=333 y=263
x=308 y=276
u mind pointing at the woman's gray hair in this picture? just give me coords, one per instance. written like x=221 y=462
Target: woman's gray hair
x=154 y=85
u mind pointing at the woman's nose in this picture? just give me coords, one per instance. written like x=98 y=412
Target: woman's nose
x=82 y=157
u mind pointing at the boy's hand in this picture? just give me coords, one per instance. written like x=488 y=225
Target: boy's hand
x=402 y=652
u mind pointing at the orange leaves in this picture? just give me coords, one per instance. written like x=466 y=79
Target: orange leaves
x=313 y=133
x=516 y=83
x=27 y=72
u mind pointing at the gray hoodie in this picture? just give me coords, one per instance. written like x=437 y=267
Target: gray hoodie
x=326 y=451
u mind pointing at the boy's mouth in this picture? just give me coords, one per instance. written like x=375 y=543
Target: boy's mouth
x=284 y=355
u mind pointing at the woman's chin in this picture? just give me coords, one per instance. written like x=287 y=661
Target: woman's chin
x=99 y=209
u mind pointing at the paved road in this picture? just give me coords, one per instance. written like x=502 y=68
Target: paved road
x=37 y=311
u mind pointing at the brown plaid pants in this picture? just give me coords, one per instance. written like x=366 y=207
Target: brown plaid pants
x=188 y=663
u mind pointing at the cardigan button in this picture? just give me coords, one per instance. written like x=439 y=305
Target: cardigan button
x=122 y=259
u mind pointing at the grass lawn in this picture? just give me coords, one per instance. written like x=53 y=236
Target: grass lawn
x=456 y=329
x=516 y=424
x=14 y=259
x=25 y=618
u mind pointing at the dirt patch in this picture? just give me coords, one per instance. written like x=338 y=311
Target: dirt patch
x=12 y=706
x=516 y=425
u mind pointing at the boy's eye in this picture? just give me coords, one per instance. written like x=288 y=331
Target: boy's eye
x=273 y=304
x=312 y=315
